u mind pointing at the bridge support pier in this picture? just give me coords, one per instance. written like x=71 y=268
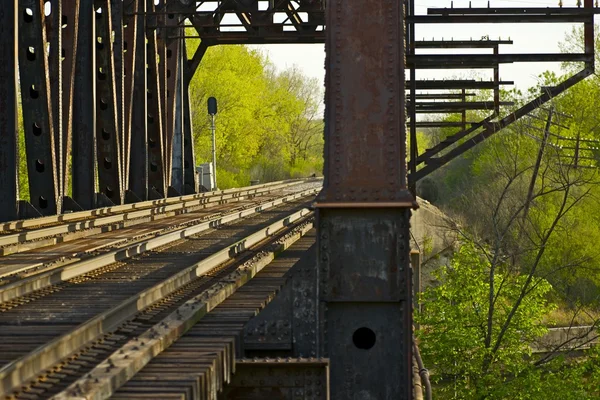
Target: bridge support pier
x=364 y=285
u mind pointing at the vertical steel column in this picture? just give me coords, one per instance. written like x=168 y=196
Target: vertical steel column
x=156 y=177
x=138 y=164
x=168 y=71
x=69 y=50
x=8 y=111
x=84 y=109
x=189 y=160
x=54 y=33
x=107 y=127
x=116 y=15
x=129 y=48
x=365 y=304
x=177 y=170
x=412 y=113
x=37 y=113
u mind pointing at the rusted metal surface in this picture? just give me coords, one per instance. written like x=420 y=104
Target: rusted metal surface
x=433 y=158
x=108 y=132
x=84 y=110
x=279 y=379
x=37 y=113
x=365 y=136
x=156 y=176
x=147 y=281
x=138 y=161
x=364 y=297
x=8 y=111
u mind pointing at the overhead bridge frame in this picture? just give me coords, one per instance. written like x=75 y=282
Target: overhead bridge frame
x=106 y=114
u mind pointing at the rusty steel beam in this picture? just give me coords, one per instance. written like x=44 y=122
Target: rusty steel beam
x=498 y=19
x=439 y=96
x=189 y=160
x=459 y=105
x=138 y=162
x=491 y=128
x=130 y=24
x=84 y=110
x=460 y=44
x=156 y=177
x=107 y=116
x=437 y=84
x=442 y=124
x=37 y=112
x=70 y=20
x=8 y=111
x=170 y=66
x=116 y=16
x=54 y=29
x=528 y=11
x=444 y=61
x=365 y=306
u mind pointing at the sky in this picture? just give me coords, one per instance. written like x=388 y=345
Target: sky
x=528 y=38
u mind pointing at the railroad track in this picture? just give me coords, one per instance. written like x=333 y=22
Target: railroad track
x=30 y=234
x=119 y=239
x=54 y=335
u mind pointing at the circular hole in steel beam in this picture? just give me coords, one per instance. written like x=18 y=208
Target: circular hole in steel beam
x=107 y=163
x=33 y=92
x=101 y=74
x=150 y=119
x=109 y=192
x=37 y=130
x=152 y=143
x=99 y=41
x=39 y=165
x=105 y=134
x=28 y=15
x=31 y=53
x=42 y=202
x=153 y=167
x=171 y=16
x=169 y=53
x=168 y=73
x=364 y=338
x=103 y=104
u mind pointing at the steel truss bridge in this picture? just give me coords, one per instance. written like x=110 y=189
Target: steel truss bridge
x=118 y=279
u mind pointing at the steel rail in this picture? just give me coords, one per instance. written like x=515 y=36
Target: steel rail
x=127 y=215
x=62 y=273
x=122 y=365
x=15 y=268
x=54 y=219
x=32 y=364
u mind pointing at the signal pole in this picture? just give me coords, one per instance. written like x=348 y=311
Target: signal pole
x=212 y=111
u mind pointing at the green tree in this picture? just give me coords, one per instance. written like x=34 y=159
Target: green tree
x=455 y=333
x=269 y=124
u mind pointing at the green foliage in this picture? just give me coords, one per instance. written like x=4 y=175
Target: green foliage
x=269 y=124
x=454 y=324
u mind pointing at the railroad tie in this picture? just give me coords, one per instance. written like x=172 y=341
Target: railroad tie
x=201 y=362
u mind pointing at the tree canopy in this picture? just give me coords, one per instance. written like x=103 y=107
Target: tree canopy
x=269 y=124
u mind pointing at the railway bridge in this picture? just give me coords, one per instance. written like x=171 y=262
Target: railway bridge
x=119 y=279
